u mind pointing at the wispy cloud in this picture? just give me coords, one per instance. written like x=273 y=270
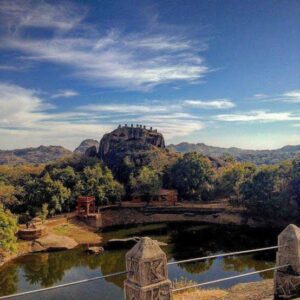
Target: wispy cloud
x=259 y=116
x=20 y=14
x=113 y=58
x=65 y=94
x=28 y=120
x=292 y=96
x=210 y=104
x=9 y=68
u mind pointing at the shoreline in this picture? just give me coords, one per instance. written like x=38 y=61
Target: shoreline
x=73 y=228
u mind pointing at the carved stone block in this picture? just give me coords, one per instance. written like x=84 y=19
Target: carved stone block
x=286 y=286
x=146 y=263
x=287 y=279
x=158 y=291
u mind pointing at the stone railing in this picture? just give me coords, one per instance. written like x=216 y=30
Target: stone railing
x=147 y=272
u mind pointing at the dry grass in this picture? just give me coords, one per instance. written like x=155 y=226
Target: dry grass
x=196 y=293
x=80 y=232
x=261 y=290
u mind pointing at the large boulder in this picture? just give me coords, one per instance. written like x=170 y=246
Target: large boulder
x=127 y=137
x=53 y=242
x=128 y=148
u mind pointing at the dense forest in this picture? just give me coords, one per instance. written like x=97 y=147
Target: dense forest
x=271 y=191
x=26 y=191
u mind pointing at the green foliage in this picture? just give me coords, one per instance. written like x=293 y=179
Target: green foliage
x=267 y=193
x=7 y=194
x=45 y=190
x=146 y=184
x=8 y=229
x=231 y=177
x=98 y=181
x=44 y=212
x=192 y=175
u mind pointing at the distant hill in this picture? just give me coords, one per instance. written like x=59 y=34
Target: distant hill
x=41 y=154
x=86 y=144
x=255 y=156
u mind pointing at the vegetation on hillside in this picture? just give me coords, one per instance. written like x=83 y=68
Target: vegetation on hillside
x=264 y=191
x=8 y=229
x=258 y=157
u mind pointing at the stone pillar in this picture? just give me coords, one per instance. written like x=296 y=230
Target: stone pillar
x=148 y=275
x=287 y=280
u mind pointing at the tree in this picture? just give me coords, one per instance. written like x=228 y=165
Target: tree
x=45 y=190
x=7 y=194
x=44 y=212
x=98 y=181
x=146 y=184
x=265 y=195
x=192 y=175
x=231 y=177
x=8 y=229
x=295 y=180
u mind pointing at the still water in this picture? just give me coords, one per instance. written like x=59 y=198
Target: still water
x=185 y=240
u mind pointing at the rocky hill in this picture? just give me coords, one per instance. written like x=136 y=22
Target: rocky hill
x=41 y=154
x=85 y=145
x=128 y=148
x=255 y=156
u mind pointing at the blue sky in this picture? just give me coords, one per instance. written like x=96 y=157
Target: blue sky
x=226 y=73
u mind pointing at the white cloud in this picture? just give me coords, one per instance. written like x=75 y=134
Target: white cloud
x=65 y=94
x=9 y=68
x=292 y=96
x=27 y=120
x=19 y=107
x=259 y=116
x=132 y=61
x=210 y=104
x=20 y=14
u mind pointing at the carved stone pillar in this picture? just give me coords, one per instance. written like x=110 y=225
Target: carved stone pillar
x=148 y=275
x=287 y=280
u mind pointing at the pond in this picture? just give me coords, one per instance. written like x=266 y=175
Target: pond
x=185 y=240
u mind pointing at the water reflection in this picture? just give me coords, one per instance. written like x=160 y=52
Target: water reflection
x=184 y=241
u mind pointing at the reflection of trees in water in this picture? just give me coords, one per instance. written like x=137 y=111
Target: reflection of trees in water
x=207 y=240
x=8 y=279
x=246 y=262
x=49 y=268
x=197 y=267
x=111 y=262
x=186 y=240
x=192 y=240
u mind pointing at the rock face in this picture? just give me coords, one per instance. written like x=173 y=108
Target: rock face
x=53 y=242
x=129 y=147
x=86 y=145
x=125 y=137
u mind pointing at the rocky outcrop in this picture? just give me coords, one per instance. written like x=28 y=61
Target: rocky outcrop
x=86 y=145
x=53 y=242
x=128 y=148
x=124 y=138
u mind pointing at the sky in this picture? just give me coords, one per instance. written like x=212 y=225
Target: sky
x=224 y=73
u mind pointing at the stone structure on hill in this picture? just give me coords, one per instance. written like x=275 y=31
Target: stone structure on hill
x=128 y=136
x=130 y=147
